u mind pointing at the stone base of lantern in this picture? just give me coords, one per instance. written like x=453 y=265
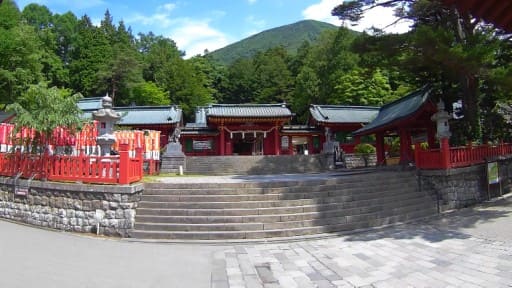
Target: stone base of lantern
x=173 y=159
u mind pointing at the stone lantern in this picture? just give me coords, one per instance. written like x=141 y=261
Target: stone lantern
x=107 y=118
x=443 y=133
x=441 y=118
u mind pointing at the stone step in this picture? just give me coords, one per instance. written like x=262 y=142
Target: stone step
x=236 y=209
x=287 y=191
x=265 y=188
x=365 y=199
x=293 y=209
x=355 y=193
x=289 y=208
x=277 y=233
x=246 y=216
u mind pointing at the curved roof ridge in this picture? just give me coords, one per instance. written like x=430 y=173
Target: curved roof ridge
x=248 y=105
x=398 y=110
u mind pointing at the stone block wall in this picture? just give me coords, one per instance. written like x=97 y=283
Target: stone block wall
x=463 y=187
x=71 y=207
x=357 y=161
x=257 y=165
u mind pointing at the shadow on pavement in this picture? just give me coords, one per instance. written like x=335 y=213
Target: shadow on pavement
x=451 y=225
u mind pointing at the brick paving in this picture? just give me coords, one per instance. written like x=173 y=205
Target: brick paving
x=455 y=250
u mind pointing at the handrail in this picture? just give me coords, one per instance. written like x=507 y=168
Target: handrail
x=461 y=156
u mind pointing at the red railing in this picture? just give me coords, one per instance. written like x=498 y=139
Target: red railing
x=428 y=159
x=119 y=169
x=456 y=157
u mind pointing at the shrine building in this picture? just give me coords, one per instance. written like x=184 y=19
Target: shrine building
x=236 y=129
x=408 y=118
x=340 y=121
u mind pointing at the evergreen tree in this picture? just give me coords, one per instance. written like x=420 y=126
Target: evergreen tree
x=20 y=51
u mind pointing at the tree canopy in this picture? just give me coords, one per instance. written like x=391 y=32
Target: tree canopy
x=462 y=57
x=453 y=51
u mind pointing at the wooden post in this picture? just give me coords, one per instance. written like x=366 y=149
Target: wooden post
x=124 y=163
x=276 y=140
x=222 y=140
x=139 y=154
x=417 y=148
x=405 y=145
x=445 y=153
x=379 y=146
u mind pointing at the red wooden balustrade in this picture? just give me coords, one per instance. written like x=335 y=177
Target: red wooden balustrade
x=120 y=169
x=456 y=157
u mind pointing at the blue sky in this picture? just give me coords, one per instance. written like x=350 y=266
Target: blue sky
x=196 y=25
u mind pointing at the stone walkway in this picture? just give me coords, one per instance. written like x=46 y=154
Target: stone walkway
x=468 y=248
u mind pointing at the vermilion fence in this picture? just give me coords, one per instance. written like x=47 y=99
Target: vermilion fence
x=70 y=153
x=119 y=169
x=455 y=157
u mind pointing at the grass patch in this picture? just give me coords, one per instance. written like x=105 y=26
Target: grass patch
x=155 y=178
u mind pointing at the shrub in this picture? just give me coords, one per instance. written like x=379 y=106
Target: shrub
x=364 y=149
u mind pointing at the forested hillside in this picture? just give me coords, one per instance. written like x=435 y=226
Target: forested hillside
x=463 y=60
x=290 y=37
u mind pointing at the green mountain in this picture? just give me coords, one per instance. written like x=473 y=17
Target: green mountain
x=289 y=36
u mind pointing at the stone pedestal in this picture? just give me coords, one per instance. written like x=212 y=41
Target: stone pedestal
x=173 y=158
x=105 y=142
x=329 y=150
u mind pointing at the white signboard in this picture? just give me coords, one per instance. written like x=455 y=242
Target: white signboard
x=202 y=145
x=285 y=142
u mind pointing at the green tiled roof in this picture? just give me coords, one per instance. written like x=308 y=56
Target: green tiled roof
x=5 y=116
x=248 y=110
x=90 y=103
x=135 y=115
x=145 y=115
x=393 y=112
x=343 y=114
x=149 y=115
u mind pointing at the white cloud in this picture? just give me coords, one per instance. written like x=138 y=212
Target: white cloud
x=194 y=36
x=381 y=18
x=161 y=20
x=322 y=11
x=252 y=1
x=378 y=17
x=191 y=35
x=253 y=21
x=168 y=7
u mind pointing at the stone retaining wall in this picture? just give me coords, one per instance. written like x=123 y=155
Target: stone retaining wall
x=357 y=161
x=257 y=165
x=463 y=187
x=71 y=207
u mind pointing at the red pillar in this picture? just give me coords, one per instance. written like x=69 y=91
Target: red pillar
x=379 y=146
x=139 y=154
x=431 y=136
x=222 y=141
x=417 y=148
x=124 y=163
x=357 y=140
x=445 y=153
x=405 y=146
x=276 y=140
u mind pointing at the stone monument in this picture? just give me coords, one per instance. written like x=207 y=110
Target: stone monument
x=441 y=118
x=107 y=117
x=173 y=159
x=329 y=149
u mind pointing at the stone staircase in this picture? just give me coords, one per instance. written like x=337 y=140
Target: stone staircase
x=258 y=210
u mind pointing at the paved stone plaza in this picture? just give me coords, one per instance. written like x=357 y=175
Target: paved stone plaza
x=467 y=248
x=470 y=248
